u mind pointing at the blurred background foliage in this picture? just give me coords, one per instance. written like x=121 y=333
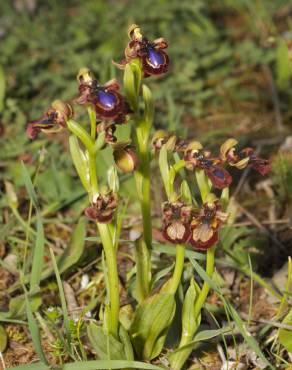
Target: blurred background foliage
x=230 y=75
x=230 y=70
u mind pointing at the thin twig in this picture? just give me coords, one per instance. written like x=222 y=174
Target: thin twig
x=275 y=98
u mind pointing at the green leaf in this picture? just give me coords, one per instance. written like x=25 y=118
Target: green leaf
x=125 y=339
x=91 y=365
x=95 y=365
x=189 y=323
x=143 y=267
x=189 y=327
x=285 y=335
x=151 y=322
x=3 y=339
x=105 y=345
x=17 y=308
x=80 y=162
x=34 y=331
x=38 y=257
x=201 y=336
x=2 y=89
x=28 y=185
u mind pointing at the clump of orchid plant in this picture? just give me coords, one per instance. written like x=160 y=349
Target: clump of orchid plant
x=187 y=222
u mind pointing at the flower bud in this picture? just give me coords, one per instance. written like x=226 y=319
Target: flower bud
x=126 y=158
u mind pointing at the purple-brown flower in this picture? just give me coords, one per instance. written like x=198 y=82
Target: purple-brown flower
x=205 y=225
x=154 y=59
x=103 y=208
x=106 y=99
x=176 y=222
x=243 y=158
x=53 y=120
x=197 y=158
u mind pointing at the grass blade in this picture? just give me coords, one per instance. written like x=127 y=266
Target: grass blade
x=2 y=89
x=38 y=257
x=239 y=323
x=34 y=331
x=28 y=185
x=62 y=298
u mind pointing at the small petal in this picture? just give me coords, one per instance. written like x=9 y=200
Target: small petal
x=225 y=147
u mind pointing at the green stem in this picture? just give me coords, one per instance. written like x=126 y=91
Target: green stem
x=205 y=289
x=93 y=174
x=113 y=278
x=178 y=268
x=178 y=359
x=92 y=118
x=145 y=201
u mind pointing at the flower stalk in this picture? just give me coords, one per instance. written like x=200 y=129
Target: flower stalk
x=105 y=235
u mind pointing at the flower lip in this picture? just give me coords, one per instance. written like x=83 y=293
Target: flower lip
x=176 y=222
x=106 y=99
x=197 y=158
x=205 y=225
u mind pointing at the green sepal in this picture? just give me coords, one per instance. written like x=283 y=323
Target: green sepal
x=99 y=142
x=113 y=179
x=203 y=184
x=164 y=170
x=185 y=192
x=80 y=161
x=148 y=116
x=82 y=134
x=132 y=83
x=224 y=199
